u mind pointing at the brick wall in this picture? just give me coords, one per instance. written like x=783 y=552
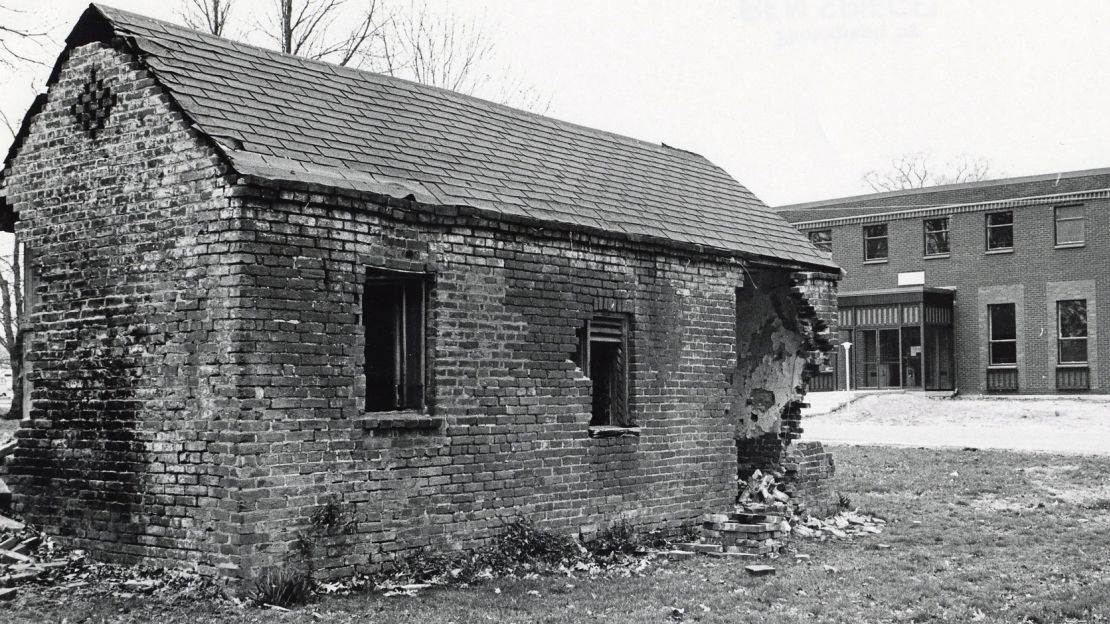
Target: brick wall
x=127 y=450
x=506 y=303
x=1034 y=263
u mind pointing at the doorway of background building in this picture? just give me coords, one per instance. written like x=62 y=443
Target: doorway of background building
x=882 y=358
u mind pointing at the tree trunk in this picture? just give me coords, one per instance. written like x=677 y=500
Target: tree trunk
x=15 y=356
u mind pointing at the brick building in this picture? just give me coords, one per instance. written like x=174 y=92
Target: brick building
x=264 y=288
x=983 y=287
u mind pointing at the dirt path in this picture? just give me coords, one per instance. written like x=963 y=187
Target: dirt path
x=1058 y=426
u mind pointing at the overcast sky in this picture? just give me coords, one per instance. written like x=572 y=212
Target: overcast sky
x=797 y=99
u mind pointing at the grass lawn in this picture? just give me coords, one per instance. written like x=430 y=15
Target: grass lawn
x=975 y=536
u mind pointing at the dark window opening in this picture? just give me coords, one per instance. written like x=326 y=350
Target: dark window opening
x=394 y=322
x=603 y=356
x=1000 y=231
x=936 y=236
x=1071 y=318
x=1003 y=334
x=875 y=244
x=822 y=240
x=1071 y=225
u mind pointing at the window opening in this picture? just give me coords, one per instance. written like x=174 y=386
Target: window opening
x=1071 y=225
x=1000 y=231
x=394 y=323
x=936 y=236
x=1003 y=334
x=875 y=245
x=822 y=240
x=603 y=356
x=1071 y=319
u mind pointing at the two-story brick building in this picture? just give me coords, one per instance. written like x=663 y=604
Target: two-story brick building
x=989 y=286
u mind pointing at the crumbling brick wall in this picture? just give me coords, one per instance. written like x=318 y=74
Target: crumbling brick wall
x=127 y=448
x=808 y=469
x=786 y=324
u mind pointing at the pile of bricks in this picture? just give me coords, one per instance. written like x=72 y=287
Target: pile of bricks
x=740 y=532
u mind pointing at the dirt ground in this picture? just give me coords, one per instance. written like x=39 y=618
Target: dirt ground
x=1051 y=425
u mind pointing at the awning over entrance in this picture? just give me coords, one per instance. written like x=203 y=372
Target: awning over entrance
x=901 y=338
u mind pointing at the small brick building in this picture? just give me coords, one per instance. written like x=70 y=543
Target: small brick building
x=265 y=290
x=984 y=287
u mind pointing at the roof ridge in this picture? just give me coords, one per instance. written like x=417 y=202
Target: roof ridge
x=363 y=73
x=835 y=202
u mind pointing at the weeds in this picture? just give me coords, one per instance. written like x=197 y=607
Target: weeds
x=283 y=587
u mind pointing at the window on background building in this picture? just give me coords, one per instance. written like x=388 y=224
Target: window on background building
x=1071 y=225
x=1003 y=334
x=394 y=322
x=1000 y=231
x=822 y=240
x=603 y=356
x=1071 y=321
x=936 y=236
x=875 y=243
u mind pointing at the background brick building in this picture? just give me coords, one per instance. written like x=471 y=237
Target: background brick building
x=988 y=286
x=264 y=288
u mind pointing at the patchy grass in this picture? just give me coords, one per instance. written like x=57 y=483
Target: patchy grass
x=974 y=537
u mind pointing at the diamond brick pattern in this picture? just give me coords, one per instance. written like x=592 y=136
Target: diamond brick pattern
x=94 y=104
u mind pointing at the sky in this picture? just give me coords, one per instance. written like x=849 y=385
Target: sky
x=797 y=99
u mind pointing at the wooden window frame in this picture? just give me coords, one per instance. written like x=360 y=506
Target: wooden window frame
x=822 y=245
x=926 y=232
x=608 y=329
x=408 y=315
x=988 y=227
x=868 y=236
x=1057 y=220
x=1061 y=339
x=991 y=340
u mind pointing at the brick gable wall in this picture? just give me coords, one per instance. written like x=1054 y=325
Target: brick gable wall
x=126 y=452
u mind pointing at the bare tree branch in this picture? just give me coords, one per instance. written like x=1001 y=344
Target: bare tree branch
x=211 y=16
x=917 y=170
x=325 y=30
x=11 y=35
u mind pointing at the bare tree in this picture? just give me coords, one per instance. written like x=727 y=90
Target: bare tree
x=438 y=51
x=11 y=316
x=325 y=30
x=406 y=41
x=917 y=170
x=448 y=51
x=208 y=15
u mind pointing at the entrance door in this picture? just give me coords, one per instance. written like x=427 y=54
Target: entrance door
x=880 y=358
x=911 y=357
x=890 y=359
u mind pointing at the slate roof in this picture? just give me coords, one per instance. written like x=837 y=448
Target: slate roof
x=949 y=195
x=287 y=118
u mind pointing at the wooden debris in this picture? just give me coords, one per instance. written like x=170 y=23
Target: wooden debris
x=11 y=556
x=7 y=594
x=760 y=570
x=7 y=524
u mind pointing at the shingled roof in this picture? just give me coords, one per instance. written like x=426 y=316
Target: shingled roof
x=281 y=117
